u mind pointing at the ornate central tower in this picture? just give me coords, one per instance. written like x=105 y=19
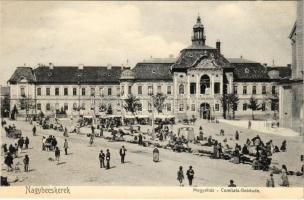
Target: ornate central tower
x=198 y=37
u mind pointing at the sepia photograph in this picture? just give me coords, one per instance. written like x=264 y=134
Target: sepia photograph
x=166 y=93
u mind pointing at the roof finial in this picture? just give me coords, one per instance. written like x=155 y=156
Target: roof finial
x=198 y=18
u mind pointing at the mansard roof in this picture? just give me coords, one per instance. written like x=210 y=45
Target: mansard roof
x=22 y=73
x=250 y=72
x=189 y=56
x=73 y=75
x=240 y=60
x=153 y=71
x=284 y=71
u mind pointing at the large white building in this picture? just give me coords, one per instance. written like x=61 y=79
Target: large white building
x=193 y=83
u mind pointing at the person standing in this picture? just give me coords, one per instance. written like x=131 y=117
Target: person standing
x=26 y=162
x=91 y=139
x=270 y=181
x=237 y=136
x=34 y=130
x=190 y=175
x=180 y=176
x=231 y=184
x=43 y=143
x=9 y=161
x=92 y=129
x=101 y=159
x=108 y=157
x=249 y=124
x=57 y=154
x=26 y=142
x=140 y=139
x=66 y=146
x=284 y=177
x=20 y=143
x=122 y=153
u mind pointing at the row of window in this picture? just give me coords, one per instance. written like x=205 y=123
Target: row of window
x=48 y=106
x=254 y=89
x=75 y=91
x=140 y=90
x=263 y=107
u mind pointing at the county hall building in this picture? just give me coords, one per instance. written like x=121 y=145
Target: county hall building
x=193 y=83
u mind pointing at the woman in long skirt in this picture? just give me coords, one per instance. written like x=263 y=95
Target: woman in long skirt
x=180 y=176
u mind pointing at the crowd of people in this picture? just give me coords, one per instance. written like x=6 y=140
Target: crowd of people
x=254 y=151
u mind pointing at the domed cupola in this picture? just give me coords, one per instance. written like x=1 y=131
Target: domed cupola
x=198 y=37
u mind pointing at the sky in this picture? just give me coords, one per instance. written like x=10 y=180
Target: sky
x=102 y=33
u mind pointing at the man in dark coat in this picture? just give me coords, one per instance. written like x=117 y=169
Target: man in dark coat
x=26 y=162
x=108 y=157
x=101 y=159
x=140 y=139
x=34 y=130
x=21 y=142
x=9 y=161
x=26 y=142
x=190 y=175
x=122 y=153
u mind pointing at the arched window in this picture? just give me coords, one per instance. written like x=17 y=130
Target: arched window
x=181 y=89
x=204 y=83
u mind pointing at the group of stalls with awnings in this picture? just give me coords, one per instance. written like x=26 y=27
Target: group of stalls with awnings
x=138 y=119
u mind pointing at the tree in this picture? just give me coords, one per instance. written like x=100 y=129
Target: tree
x=229 y=102
x=159 y=102
x=223 y=100
x=233 y=101
x=109 y=110
x=253 y=105
x=274 y=103
x=5 y=106
x=26 y=103
x=131 y=104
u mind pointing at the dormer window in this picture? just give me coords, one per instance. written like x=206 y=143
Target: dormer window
x=246 y=70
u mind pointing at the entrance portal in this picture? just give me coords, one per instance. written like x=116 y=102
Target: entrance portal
x=205 y=111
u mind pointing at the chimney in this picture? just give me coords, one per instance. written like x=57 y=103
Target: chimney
x=80 y=66
x=265 y=64
x=218 y=46
x=241 y=57
x=170 y=55
x=289 y=65
x=109 y=66
x=51 y=65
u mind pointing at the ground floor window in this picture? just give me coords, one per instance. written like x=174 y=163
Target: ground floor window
x=66 y=106
x=83 y=106
x=192 y=107
x=244 y=106
x=38 y=106
x=139 y=107
x=169 y=107
x=263 y=106
x=48 y=106
x=217 y=107
x=181 y=107
x=149 y=107
x=74 y=106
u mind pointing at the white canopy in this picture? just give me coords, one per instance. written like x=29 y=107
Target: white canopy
x=164 y=116
x=129 y=116
x=142 y=116
x=88 y=116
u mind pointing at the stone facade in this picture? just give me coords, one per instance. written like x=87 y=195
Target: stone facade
x=291 y=91
x=193 y=84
